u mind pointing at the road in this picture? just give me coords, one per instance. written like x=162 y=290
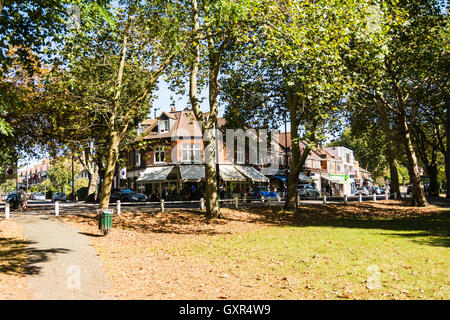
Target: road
x=48 y=207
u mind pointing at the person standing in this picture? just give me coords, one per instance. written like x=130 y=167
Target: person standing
x=22 y=200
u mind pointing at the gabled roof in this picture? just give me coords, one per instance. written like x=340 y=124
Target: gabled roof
x=184 y=125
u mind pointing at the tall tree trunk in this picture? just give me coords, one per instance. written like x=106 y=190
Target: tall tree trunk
x=394 y=182
x=418 y=194
x=298 y=157
x=113 y=155
x=211 y=195
x=92 y=188
x=447 y=154
x=432 y=172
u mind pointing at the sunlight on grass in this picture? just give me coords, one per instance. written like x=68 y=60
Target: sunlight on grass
x=330 y=262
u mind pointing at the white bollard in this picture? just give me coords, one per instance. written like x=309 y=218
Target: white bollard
x=345 y=198
x=374 y=197
x=324 y=199
x=118 y=206
x=162 y=205
x=236 y=202
x=56 y=208
x=360 y=197
x=298 y=200
x=202 y=204
x=7 y=210
x=386 y=196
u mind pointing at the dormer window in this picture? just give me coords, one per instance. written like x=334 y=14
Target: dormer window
x=163 y=125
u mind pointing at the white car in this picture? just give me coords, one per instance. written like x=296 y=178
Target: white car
x=362 y=190
x=39 y=196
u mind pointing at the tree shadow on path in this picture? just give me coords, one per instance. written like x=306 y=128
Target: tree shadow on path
x=17 y=258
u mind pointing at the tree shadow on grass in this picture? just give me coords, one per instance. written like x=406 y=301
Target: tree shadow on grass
x=427 y=226
x=17 y=258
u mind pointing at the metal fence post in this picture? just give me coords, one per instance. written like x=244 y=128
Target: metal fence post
x=56 y=208
x=345 y=198
x=202 y=204
x=162 y=205
x=7 y=210
x=298 y=200
x=360 y=197
x=395 y=195
x=386 y=196
x=324 y=199
x=236 y=202
x=374 y=197
x=118 y=206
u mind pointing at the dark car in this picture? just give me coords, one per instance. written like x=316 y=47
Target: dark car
x=307 y=191
x=126 y=195
x=13 y=200
x=262 y=193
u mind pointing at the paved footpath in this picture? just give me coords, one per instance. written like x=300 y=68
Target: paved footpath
x=61 y=264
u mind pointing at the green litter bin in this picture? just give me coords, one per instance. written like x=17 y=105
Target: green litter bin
x=105 y=220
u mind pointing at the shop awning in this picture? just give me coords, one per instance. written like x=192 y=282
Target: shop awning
x=252 y=173
x=192 y=172
x=155 y=174
x=304 y=177
x=229 y=173
x=282 y=178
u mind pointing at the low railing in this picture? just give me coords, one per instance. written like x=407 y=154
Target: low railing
x=162 y=205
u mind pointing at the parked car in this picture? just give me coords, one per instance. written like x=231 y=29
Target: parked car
x=126 y=195
x=38 y=196
x=307 y=191
x=13 y=200
x=263 y=193
x=362 y=190
x=59 y=196
x=376 y=190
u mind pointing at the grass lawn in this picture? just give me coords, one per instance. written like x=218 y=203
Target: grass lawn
x=381 y=250
x=12 y=261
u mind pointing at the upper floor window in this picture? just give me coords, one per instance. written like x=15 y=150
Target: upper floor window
x=240 y=155
x=138 y=158
x=160 y=155
x=163 y=125
x=191 y=152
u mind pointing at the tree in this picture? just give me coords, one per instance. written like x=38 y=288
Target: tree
x=395 y=61
x=301 y=46
x=112 y=65
x=215 y=25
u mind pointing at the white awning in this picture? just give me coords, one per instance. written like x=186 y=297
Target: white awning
x=192 y=172
x=229 y=173
x=252 y=173
x=154 y=174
